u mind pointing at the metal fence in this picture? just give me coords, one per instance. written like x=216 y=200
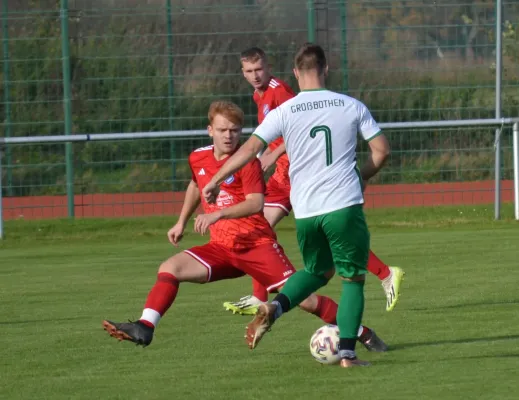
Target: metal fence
x=92 y=66
x=102 y=198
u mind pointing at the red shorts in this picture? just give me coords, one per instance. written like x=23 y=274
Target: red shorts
x=278 y=195
x=266 y=263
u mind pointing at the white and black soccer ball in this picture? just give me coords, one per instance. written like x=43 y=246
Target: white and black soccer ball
x=324 y=344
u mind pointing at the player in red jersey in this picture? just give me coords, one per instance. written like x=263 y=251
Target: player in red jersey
x=241 y=239
x=269 y=93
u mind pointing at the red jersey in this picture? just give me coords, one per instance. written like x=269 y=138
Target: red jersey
x=276 y=94
x=240 y=233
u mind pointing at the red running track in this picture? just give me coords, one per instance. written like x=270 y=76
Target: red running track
x=170 y=203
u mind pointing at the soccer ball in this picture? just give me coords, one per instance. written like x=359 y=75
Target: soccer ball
x=324 y=344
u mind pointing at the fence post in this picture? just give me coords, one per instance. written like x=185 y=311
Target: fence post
x=67 y=106
x=171 y=101
x=7 y=95
x=344 y=47
x=516 y=169
x=499 y=59
x=311 y=20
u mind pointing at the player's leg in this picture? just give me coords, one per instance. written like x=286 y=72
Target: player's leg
x=248 y=305
x=277 y=207
x=269 y=264
x=198 y=265
x=180 y=267
x=377 y=267
x=322 y=307
x=318 y=268
x=390 y=277
x=277 y=202
x=300 y=285
x=274 y=214
x=349 y=240
x=275 y=271
x=327 y=309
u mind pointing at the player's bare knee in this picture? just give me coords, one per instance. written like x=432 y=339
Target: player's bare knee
x=273 y=215
x=172 y=266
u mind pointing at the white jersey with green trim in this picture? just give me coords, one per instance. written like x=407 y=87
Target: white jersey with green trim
x=320 y=132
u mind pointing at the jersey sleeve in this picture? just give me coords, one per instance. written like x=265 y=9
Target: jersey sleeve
x=193 y=175
x=252 y=178
x=271 y=127
x=367 y=125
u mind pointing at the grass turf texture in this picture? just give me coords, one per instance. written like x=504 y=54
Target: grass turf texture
x=454 y=333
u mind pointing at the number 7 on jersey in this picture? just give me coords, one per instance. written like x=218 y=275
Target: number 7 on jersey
x=328 y=136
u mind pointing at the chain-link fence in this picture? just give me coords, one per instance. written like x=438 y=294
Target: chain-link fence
x=90 y=66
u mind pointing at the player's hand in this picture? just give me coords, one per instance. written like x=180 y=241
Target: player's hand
x=210 y=192
x=175 y=234
x=267 y=160
x=204 y=221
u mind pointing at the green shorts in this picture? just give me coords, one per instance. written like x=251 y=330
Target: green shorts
x=338 y=239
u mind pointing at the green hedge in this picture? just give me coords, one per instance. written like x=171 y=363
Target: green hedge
x=114 y=91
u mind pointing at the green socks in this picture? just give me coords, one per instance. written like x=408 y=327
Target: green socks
x=351 y=307
x=301 y=285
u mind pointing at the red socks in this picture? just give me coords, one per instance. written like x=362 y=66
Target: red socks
x=259 y=291
x=160 y=298
x=377 y=267
x=326 y=310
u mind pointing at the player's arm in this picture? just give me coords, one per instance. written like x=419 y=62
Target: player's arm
x=253 y=186
x=266 y=151
x=269 y=159
x=377 y=142
x=265 y=133
x=245 y=153
x=191 y=203
x=253 y=204
x=278 y=151
x=378 y=156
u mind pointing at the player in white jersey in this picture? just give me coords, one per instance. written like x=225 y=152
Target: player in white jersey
x=320 y=130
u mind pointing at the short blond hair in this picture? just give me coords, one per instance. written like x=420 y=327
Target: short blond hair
x=252 y=55
x=228 y=109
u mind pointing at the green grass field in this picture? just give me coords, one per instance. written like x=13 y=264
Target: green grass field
x=453 y=335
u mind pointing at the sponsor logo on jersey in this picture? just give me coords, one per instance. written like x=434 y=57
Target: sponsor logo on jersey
x=224 y=199
x=229 y=180
x=266 y=109
x=202 y=172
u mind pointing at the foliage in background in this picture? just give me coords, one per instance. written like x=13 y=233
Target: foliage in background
x=408 y=61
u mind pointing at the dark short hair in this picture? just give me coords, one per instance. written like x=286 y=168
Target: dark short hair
x=310 y=57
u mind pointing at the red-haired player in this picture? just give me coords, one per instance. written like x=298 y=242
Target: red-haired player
x=242 y=242
x=269 y=93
